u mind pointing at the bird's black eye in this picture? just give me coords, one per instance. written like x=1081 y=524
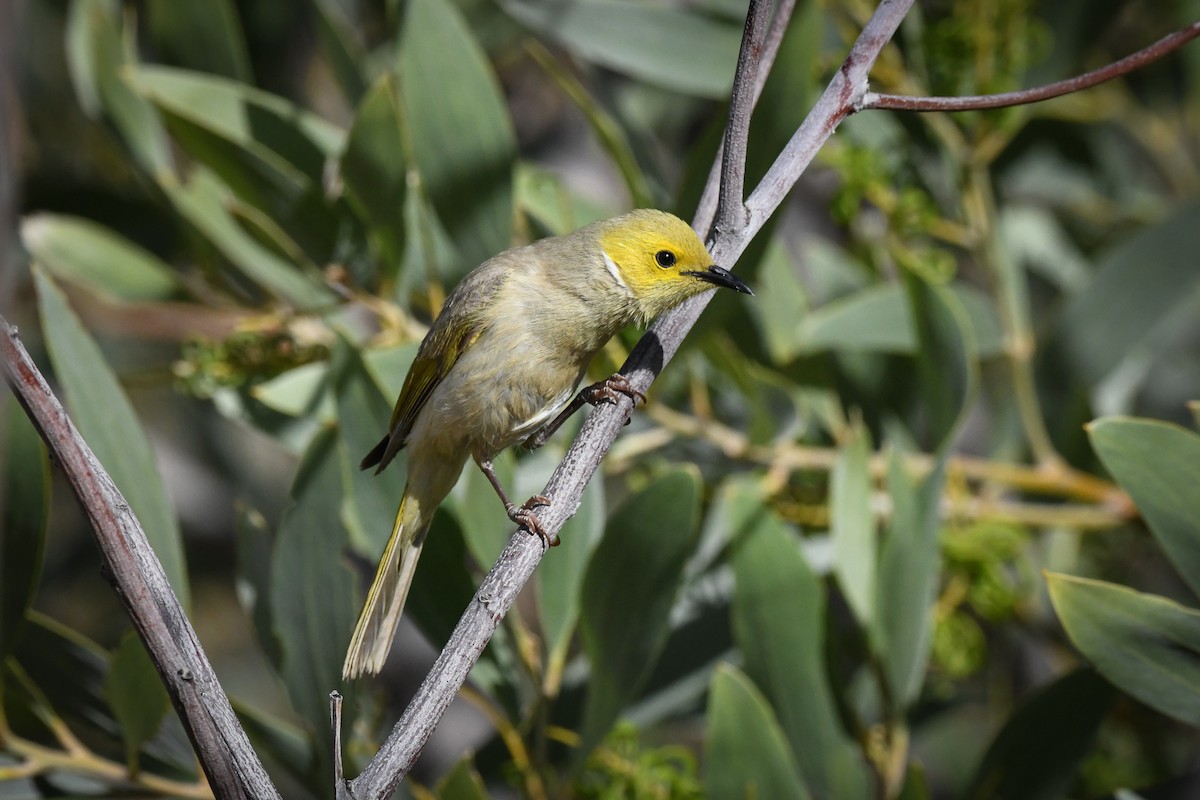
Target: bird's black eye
x=665 y=259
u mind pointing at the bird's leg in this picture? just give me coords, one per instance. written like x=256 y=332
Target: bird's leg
x=520 y=514
x=604 y=391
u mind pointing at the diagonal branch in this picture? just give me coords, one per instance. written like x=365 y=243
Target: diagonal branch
x=523 y=552
x=1124 y=66
x=232 y=767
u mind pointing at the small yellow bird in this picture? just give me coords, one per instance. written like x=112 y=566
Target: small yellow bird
x=503 y=360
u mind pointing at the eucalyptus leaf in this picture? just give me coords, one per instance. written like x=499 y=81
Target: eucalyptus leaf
x=778 y=623
x=909 y=564
x=207 y=37
x=746 y=754
x=1159 y=465
x=852 y=524
x=462 y=782
x=628 y=590
x=90 y=255
x=561 y=573
x=1107 y=320
x=313 y=595
x=667 y=46
x=369 y=500
x=24 y=508
x=98 y=53
x=374 y=168
x=451 y=94
x=1148 y=646
x=204 y=202
x=1037 y=754
x=136 y=695
x=106 y=420
x=251 y=118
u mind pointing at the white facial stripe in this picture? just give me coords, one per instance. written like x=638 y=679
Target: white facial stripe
x=615 y=271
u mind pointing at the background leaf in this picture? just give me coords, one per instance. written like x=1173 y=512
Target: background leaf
x=81 y=252
x=24 y=507
x=1146 y=645
x=136 y=695
x=105 y=418
x=1037 y=753
x=852 y=524
x=747 y=754
x=1159 y=465
x=675 y=48
x=628 y=590
x=436 y=41
x=778 y=623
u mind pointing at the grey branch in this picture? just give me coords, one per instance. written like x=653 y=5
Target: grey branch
x=565 y=487
x=232 y=767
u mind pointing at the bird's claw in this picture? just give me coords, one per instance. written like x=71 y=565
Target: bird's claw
x=606 y=391
x=523 y=515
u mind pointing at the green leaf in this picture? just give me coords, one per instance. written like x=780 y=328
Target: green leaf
x=450 y=94
x=1036 y=755
x=278 y=738
x=462 y=782
x=485 y=525
x=24 y=507
x=374 y=168
x=313 y=597
x=880 y=319
x=782 y=303
x=778 y=618
x=746 y=752
x=344 y=53
x=253 y=543
x=206 y=36
x=105 y=418
x=560 y=575
x=551 y=204
x=671 y=47
x=82 y=252
x=909 y=564
x=628 y=590
x=1148 y=646
x=1107 y=320
x=98 y=52
x=203 y=202
x=852 y=524
x=369 y=501
x=69 y=671
x=282 y=141
x=947 y=359
x=136 y=695
x=1159 y=465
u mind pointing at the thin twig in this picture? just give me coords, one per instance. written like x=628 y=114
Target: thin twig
x=523 y=551
x=1141 y=58
x=706 y=209
x=731 y=209
x=232 y=767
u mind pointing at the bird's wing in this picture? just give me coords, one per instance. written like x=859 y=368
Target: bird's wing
x=457 y=328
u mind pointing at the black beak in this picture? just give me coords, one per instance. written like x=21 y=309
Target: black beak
x=723 y=278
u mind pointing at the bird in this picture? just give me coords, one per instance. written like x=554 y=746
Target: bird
x=501 y=364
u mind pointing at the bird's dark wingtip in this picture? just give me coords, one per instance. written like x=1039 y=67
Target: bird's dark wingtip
x=375 y=457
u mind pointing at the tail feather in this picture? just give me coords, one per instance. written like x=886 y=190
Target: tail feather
x=380 y=615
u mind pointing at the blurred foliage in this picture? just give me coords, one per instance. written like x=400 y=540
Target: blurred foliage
x=813 y=564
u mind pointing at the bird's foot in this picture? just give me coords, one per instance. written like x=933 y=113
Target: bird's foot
x=523 y=515
x=606 y=391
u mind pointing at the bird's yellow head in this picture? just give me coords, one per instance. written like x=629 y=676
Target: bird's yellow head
x=660 y=259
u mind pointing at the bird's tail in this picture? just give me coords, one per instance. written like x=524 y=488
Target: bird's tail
x=380 y=615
